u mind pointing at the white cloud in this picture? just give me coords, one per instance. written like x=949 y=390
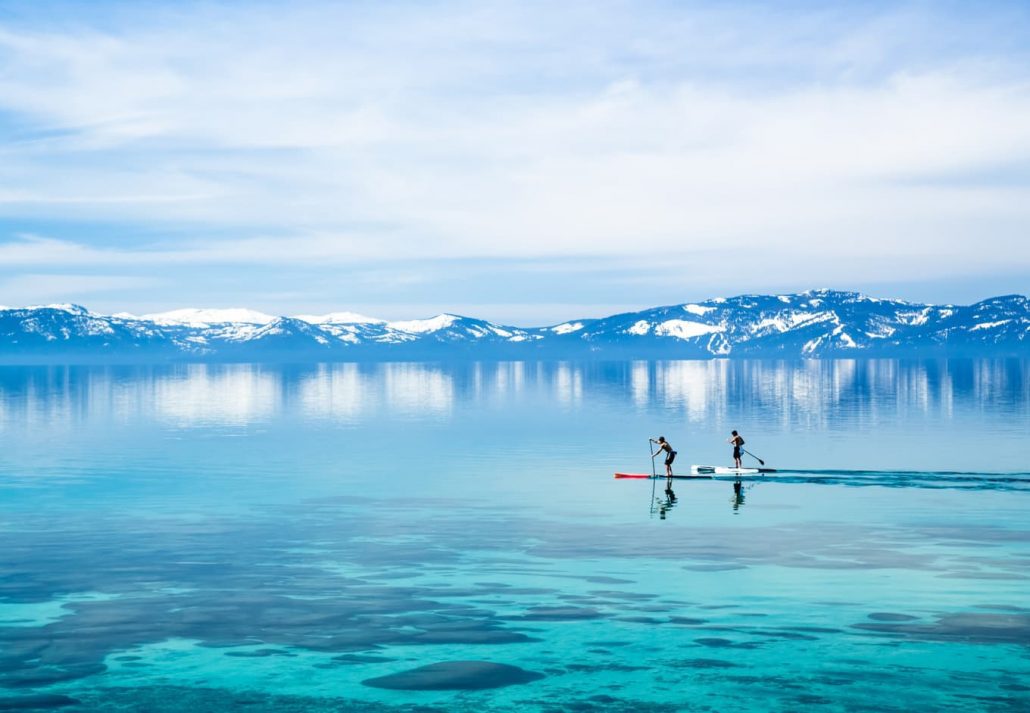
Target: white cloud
x=329 y=134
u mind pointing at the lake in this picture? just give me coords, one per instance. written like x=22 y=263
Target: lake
x=430 y=537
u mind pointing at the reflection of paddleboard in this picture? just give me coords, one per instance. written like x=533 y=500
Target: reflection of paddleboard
x=722 y=470
x=648 y=476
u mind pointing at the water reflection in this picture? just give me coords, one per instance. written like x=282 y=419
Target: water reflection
x=738 y=495
x=662 y=505
x=416 y=388
x=336 y=392
x=809 y=394
x=200 y=394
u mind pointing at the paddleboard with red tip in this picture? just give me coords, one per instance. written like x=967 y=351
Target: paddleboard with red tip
x=648 y=476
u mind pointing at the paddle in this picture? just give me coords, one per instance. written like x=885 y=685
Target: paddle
x=760 y=461
x=654 y=474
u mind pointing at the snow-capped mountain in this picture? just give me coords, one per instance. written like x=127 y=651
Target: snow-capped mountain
x=817 y=323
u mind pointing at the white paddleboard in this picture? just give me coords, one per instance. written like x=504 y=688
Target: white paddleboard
x=723 y=470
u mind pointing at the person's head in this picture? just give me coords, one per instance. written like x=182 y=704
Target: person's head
x=661 y=439
x=734 y=433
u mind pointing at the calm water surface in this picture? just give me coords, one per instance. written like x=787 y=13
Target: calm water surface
x=436 y=537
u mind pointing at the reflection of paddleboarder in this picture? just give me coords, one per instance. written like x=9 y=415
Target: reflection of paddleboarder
x=663 y=446
x=737 y=442
x=667 y=504
x=738 y=495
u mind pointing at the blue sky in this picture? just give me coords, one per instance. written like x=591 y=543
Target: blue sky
x=524 y=162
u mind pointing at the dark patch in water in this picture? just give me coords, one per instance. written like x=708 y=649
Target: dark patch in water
x=454 y=676
x=810 y=699
x=361 y=658
x=980 y=574
x=717 y=643
x=1002 y=607
x=616 y=594
x=714 y=567
x=890 y=616
x=640 y=619
x=41 y=701
x=176 y=699
x=259 y=653
x=708 y=663
x=603 y=703
x=45 y=676
x=686 y=621
x=841 y=680
x=791 y=635
x=559 y=614
x=962 y=626
x=601 y=668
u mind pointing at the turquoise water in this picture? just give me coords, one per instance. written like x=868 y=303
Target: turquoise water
x=436 y=537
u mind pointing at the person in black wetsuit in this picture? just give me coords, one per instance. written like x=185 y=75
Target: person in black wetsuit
x=737 y=442
x=670 y=455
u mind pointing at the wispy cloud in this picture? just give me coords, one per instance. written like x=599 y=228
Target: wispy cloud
x=44 y=287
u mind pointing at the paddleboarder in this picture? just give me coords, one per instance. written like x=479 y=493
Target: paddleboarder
x=670 y=455
x=737 y=442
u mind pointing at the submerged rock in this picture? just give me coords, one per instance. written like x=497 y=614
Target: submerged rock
x=454 y=676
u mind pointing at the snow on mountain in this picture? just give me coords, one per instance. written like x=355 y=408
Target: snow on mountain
x=284 y=332
x=423 y=326
x=697 y=309
x=451 y=328
x=567 y=328
x=63 y=307
x=684 y=329
x=192 y=317
x=812 y=324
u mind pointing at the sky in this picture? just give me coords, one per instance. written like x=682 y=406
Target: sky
x=525 y=162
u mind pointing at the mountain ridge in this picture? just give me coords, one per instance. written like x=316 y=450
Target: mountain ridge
x=812 y=324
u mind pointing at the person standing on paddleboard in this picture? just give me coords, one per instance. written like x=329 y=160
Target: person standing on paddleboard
x=737 y=442
x=670 y=455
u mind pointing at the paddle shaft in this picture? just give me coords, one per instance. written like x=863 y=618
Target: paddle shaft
x=654 y=475
x=760 y=461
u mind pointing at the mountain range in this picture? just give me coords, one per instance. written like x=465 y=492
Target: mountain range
x=812 y=324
